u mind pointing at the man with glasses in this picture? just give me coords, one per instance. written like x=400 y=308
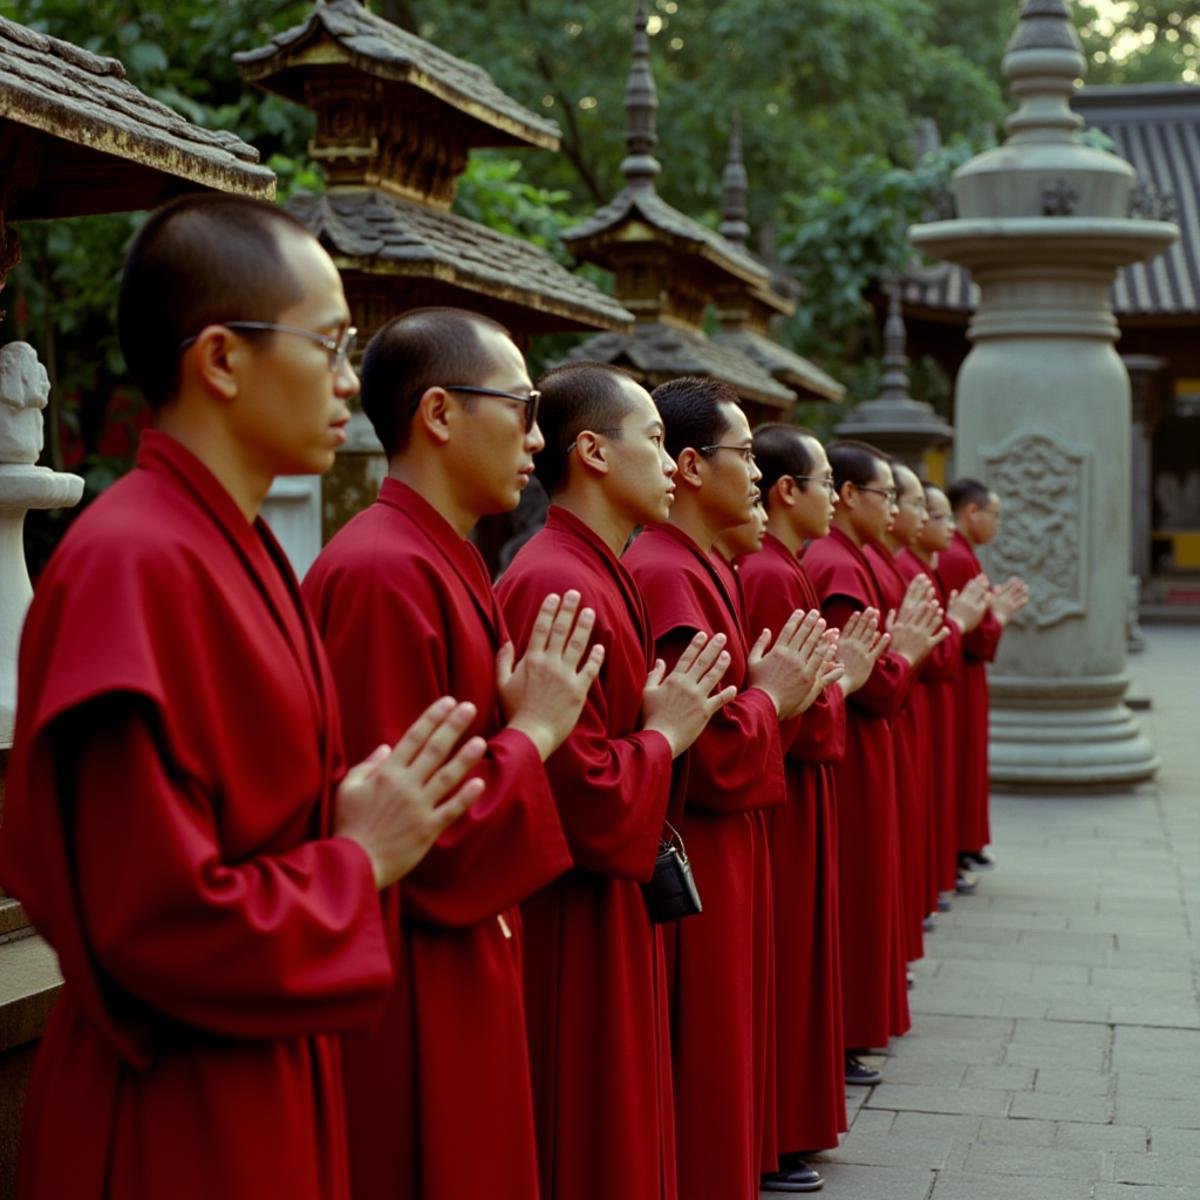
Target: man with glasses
x=874 y=967
x=439 y=1098
x=977 y=520
x=720 y=961
x=595 y=974
x=800 y=496
x=179 y=821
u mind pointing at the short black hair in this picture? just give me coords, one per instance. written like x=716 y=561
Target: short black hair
x=895 y=463
x=419 y=349
x=690 y=407
x=968 y=491
x=854 y=462
x=780 y=450
x=576 y=396
x=197 y=261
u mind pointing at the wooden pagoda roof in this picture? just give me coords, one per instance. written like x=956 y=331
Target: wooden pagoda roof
x=91 y=142
x=380 y=234
x=785 y=365
x=346 y=33
x=657 y=351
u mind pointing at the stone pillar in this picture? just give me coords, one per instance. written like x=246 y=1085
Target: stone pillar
x=24 y=391
x=1043 y=413
x=1145 y=376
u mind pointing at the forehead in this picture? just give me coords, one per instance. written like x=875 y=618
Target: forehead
x=907 y=480
x=501 y=353
x=816 y=452
x=739 y=426
x=935 y=498
x=883 y=473
x=641 y=408
x=318 y=280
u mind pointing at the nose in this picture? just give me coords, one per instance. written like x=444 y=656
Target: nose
x=669 y=465
x=535 y=441
x=755 y=473
x=345 y=380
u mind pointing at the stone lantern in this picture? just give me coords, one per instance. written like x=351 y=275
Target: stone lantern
x=1043 y=412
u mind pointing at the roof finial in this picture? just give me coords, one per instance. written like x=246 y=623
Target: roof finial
x=894 y=384
x=734 y=187
x=1042 y=63
x=641 y=104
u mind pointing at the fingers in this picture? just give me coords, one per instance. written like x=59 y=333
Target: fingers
x=658 y=673
x=759 y=648
x=505 y=657
x=707 y=655
x=885 y=640
x=449 y=811
x=563 y=623
x=940 y=636
x=419 y=732
x=791 y=628
x=692 y=652
x=577 y=643
x=543 y=623
x=591 y=668
x=808 y=637
x=363 y=771
x=718 y=700
x=715 y=673
x=435 y=750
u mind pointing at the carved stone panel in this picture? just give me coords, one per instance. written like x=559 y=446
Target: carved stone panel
x=1043 y=484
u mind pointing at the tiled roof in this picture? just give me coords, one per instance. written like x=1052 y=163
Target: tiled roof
x=1156 y=128
x=658 y=351
x=81 y=100
x=644 y=204
x=783 y=364
x=382 y=233
x=378 y=48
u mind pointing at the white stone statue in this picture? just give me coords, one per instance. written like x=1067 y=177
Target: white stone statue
x=24 y=392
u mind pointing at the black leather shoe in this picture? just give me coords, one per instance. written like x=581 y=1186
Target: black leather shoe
x=977 y=860
x=944 y=904
x=965 y=884
x=797 y=1177
x=858 y=1072
x=929 y=922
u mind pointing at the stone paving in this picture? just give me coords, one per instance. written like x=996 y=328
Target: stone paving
x=1055 y=1051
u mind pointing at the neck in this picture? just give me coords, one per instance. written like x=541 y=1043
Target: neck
x=436 y=488
x=961 y=527
x=842 y=521
x=892 y=545
x=779 y=527
x=593 y=508
x=245 y=481
x=927 y=556
x=688 y=515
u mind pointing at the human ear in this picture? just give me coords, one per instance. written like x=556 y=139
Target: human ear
x=688 y=467
x=592 y=452
x=216 y=360
x=434 y=414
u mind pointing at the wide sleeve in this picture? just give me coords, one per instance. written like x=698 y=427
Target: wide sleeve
x=274 y=945
x=887 y=688
x=945 y=661
x=736 y=764
x=612 y=792
x=390 y=645
x=983 y=641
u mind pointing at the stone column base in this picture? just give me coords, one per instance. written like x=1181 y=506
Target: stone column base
x=1065 y=735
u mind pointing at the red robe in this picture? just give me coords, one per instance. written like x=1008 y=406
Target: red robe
x=957 y=566
x=939 y=682
x=718 y=970
x=168 y=829
x=595 y=984
x=439 y=1099
x=910 y=728
x=810 y=1077
x=874 y=983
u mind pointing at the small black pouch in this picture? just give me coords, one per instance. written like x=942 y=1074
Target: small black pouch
x=671 y=893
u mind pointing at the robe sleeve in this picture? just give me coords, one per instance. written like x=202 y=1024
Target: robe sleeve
x=612 y=792
x=943 y=663
x=736 y=764
x=390 y=649
x=887 y=688
x=276 y=945
x=984 y=640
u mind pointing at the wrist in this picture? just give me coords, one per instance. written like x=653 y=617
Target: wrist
x=542 y=737
x=667 y=736
x=770 y=695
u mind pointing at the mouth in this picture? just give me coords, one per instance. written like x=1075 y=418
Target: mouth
x=340 y=430
x=525 y=474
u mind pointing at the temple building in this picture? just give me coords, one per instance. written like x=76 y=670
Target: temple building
x=397 y=118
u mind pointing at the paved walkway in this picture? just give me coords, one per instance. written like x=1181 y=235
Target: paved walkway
x=1055 y=1053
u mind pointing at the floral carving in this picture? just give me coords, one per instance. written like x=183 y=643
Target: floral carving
x=1042 y=482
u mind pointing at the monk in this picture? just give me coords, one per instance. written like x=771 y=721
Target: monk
x=940 y=680
x=179 y=822
x=963 y=612
x=977 y=520
x=798 y=488
x=874 y=969
x=721 y=978
x=440 y=1098
x=595 y=983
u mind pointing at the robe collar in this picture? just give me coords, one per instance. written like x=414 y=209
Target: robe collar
x=859 y=557
x=260 y=554
x=693 y=547
x=459 y=554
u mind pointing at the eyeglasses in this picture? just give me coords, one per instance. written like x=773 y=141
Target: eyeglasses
x=825 y=481
x=339 y=348
x=889 y=494
x=747 y=452
x=531 y=401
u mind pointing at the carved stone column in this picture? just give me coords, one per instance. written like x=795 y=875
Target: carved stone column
x=1145 y=377
x=1043 y=416
x=24 y=391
